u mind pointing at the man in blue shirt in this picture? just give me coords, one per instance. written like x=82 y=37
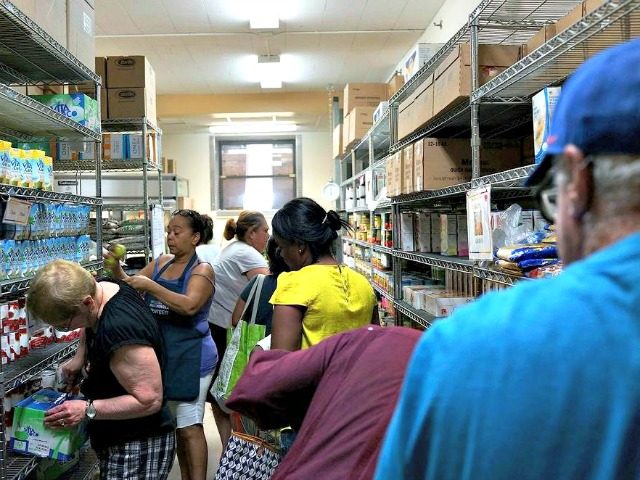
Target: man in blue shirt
x=543 y=381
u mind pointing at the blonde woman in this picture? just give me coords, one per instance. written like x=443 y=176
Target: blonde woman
x=129 y=423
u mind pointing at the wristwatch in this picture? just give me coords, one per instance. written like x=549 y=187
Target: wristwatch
x=90 y=412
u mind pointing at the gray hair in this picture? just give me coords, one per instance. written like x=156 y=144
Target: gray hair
x=616 y=182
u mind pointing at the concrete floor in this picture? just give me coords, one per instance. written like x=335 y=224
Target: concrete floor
x=213 y=442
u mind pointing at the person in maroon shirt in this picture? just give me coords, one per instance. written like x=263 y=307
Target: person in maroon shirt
x=338 y=395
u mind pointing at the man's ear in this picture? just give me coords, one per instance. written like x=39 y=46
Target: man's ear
x=580 y=183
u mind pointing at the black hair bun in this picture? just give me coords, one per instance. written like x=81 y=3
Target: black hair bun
x=333 y=219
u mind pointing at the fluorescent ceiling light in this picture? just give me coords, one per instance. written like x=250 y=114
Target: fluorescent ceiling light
x=270 y=71
x=257 y=127
x=264 y=15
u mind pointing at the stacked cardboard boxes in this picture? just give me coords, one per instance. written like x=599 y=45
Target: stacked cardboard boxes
x=131 y=88
x=360 y=102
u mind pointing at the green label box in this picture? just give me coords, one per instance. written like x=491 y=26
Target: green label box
x=30 y=436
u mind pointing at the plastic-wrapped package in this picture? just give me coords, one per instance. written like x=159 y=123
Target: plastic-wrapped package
x=516 y=253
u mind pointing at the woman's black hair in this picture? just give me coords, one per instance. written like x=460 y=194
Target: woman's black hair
x=277 y=264
x=303 y=221
x=202 y=224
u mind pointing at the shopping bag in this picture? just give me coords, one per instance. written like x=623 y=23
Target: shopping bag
x=243 y=340
x=247 y=457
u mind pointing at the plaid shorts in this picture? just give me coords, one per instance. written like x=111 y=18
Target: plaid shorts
x=150 y=459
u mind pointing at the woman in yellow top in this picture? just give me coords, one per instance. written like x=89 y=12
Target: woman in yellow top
x=319 y=297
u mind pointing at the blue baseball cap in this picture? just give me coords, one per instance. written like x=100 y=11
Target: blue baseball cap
x=599 y=108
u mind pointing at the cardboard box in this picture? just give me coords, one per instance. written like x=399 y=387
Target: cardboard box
x=543 y=36
x=448 y=234
x=131 y=103
x=398 y=173
x=77 y=106
x=408 y=182
x=345 y=133
x=113 y=146
x=570 y=19
x=389 y=167
x=452 y=80
x=435 y=232
x=405 y=118
x=363 y=95
x=418 y=165
x=360 y=121
x=168 y=166
x=417 y=57
x=423 y=232
x=100 y=64
x=130 y=72
x=444 y=162
x=30 y=436
x=406 y=232
x=543 y=104
x=443 y=304
x=395 y=84
x=81 y=36
x=497 y=155
x=423 y=104
x=463 y=236
x=379 y=111
x=50 y=15
x=184 y=203
x=590 y=5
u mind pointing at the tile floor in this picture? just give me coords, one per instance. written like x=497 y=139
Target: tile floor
x=213 y=442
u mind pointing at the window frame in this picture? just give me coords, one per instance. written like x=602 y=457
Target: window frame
x=216 y=144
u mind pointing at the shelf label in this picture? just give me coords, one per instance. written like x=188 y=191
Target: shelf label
x=479 y=223
x=17 y=212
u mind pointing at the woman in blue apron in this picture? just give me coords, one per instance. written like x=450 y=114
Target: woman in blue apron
x=178 y=289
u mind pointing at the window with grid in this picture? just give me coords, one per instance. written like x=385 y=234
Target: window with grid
x=256 y=175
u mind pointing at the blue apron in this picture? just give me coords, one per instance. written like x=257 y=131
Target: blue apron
x=182 y=340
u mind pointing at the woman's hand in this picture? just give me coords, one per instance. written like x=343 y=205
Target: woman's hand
x=70 y=371
x=140 y=283
x=68 y=414
x=112 y=263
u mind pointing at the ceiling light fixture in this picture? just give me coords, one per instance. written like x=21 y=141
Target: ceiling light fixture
x=269 y=71
x=264 y=15
x=253 y=127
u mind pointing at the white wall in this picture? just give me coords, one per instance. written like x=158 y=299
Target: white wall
x=454 y=14
x=193 y=162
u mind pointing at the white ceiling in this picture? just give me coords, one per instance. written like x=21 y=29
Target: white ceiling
x=205 y=46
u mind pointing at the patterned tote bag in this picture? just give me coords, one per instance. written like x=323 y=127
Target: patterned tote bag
x=247 y=458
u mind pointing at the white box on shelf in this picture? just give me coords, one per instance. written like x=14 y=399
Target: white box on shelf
x=379 y=111
x=543 y=104
x=406 y=232
x=448 y=234
x=416 y=58
x=423 y=232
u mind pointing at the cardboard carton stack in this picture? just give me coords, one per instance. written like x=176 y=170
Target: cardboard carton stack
x=131 y=88
x=360 y=102
x=71 y=23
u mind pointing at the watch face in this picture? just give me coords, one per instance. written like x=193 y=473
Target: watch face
x=91 y=411
x=331 y=191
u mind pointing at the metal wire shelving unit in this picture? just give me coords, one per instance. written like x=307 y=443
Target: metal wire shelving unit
x=28 y=57
x=142 y=126
x=501 y=108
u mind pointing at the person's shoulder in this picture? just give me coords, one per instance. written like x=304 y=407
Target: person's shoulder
x=511 y=315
